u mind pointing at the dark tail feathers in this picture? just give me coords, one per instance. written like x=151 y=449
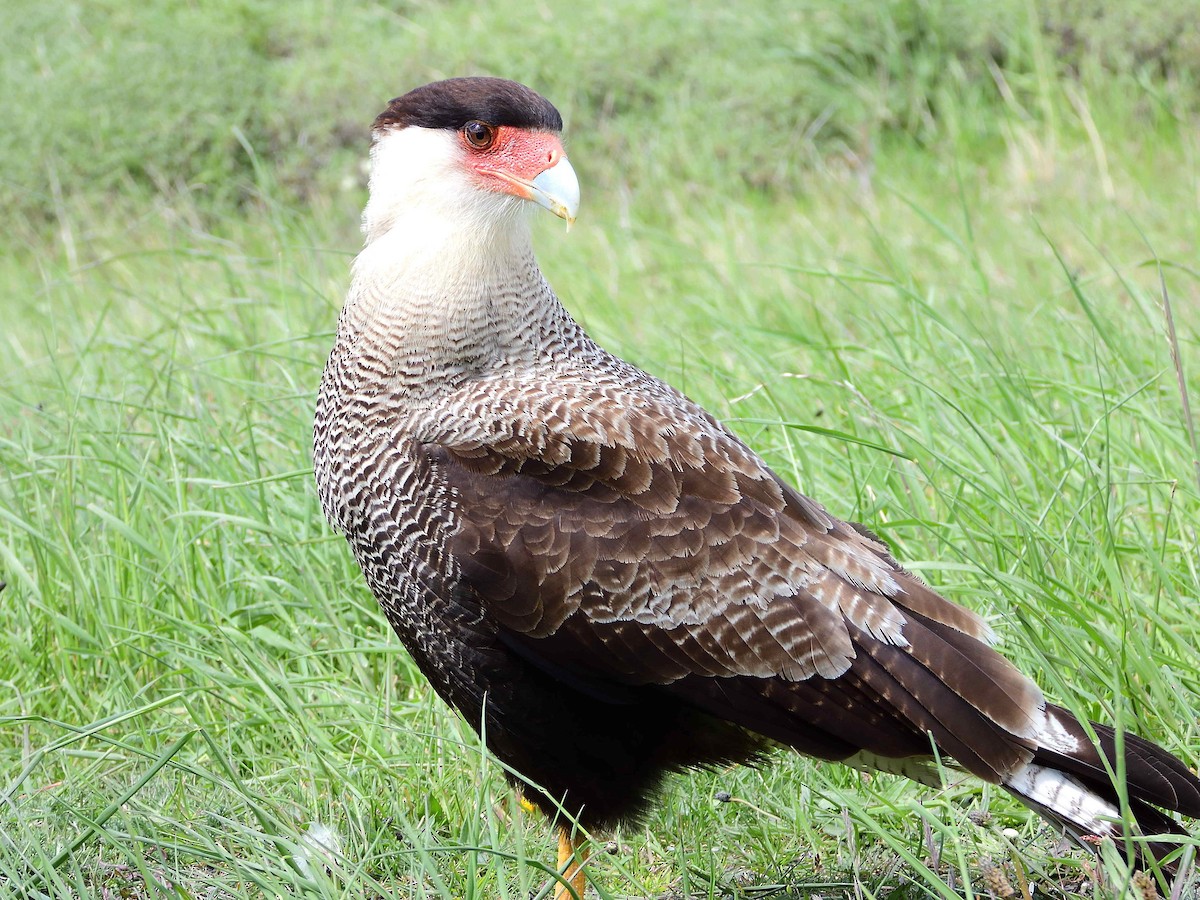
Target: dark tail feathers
x=1068 y=782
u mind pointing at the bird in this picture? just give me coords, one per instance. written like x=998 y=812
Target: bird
x=605 y=581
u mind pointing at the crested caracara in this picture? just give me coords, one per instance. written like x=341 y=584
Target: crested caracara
x=595 y=572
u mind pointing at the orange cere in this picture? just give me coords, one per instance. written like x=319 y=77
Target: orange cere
x=515 y=157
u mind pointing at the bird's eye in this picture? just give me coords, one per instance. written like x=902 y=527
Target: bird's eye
x=479 y=134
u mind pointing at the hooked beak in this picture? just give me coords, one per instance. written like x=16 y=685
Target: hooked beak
x=556 y=189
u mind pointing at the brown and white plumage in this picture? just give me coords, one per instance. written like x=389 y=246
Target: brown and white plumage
x=593 y=570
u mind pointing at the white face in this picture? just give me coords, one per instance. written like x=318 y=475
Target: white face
x=426 y=174
x=473 y=178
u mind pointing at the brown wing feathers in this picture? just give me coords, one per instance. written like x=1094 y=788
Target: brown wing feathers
x=673 y=526
x=661 y=552
x=684 y=565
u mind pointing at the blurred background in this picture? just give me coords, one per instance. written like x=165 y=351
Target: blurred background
x=209 y=106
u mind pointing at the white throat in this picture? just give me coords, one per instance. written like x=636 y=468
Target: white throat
x=447 y=283
x=432 y=234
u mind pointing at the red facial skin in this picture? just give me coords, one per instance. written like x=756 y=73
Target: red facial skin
x=513 y=159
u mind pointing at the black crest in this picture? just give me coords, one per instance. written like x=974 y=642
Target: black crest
x=452 y=103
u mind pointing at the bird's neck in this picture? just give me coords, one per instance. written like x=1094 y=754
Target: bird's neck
x=433 y=303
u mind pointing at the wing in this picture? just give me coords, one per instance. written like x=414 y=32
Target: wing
x=621 y=537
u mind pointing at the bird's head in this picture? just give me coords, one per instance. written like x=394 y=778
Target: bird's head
x=467 y=151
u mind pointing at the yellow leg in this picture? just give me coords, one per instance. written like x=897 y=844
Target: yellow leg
x=572 y=854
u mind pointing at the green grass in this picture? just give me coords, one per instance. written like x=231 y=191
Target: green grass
x=940 y=313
